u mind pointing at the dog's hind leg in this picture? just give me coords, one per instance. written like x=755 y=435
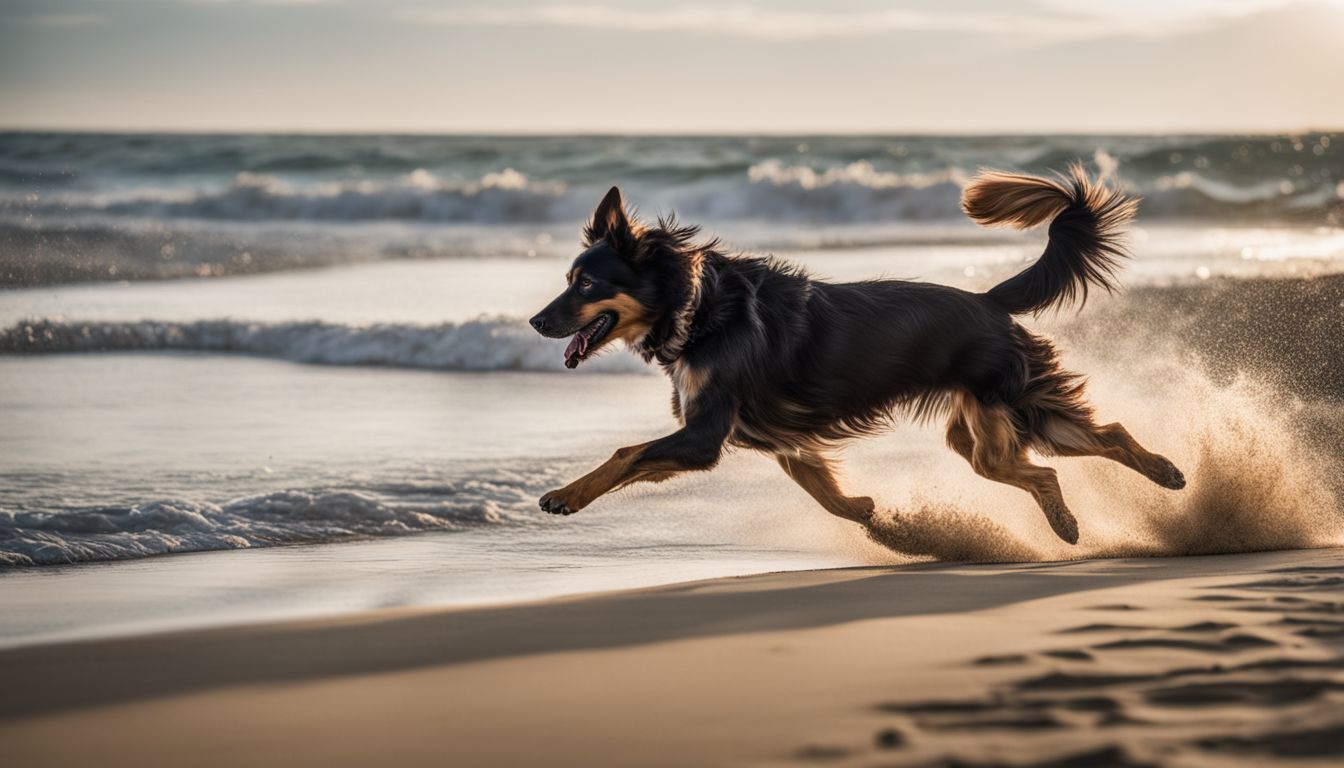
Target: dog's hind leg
x=814 y=474
x=1059 y=421
x=988 y=439
x=1064 y=436
x=959 y=436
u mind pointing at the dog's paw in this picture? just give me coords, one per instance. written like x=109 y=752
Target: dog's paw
x=1167 y=475
x=1061 y=520
x=555 y=503
x=861 y=509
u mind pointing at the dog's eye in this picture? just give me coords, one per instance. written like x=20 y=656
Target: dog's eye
x=586 y=283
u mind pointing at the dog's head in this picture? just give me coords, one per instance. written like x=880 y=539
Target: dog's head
x=612 y=291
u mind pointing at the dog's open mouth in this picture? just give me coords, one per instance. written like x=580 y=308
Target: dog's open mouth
x=588 y=338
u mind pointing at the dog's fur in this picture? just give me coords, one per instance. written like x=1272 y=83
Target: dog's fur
x=762 y=356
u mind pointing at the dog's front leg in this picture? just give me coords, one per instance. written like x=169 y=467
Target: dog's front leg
x=582 y=492
x=696 y=446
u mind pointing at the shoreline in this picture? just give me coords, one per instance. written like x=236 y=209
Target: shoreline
x=767 y=668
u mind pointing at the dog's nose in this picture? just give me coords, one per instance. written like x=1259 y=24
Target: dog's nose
x=539 y=323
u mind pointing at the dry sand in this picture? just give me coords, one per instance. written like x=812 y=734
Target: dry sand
x=1160 y=661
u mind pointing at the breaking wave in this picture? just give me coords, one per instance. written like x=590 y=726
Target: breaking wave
x=485 y=344
x=164 y=526
x=500 y=197
x=770 y=190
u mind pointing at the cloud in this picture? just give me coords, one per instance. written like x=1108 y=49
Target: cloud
x=765 y=23
x=67 y=20
x=259 y=2
x=1165 y=11
x=1038 y=20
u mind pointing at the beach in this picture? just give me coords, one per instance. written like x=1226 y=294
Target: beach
x=273 y=428
x=622 y=383
x=1170 y=661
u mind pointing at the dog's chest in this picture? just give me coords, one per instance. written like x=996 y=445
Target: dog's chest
x=687 y=383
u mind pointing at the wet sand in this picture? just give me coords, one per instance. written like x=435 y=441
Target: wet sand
x=1134 y=662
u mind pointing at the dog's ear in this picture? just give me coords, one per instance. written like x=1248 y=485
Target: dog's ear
x=612 y=223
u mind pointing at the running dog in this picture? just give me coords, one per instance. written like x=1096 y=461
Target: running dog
x=763 y=356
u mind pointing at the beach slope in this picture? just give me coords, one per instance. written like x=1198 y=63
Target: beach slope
x=1112 y=662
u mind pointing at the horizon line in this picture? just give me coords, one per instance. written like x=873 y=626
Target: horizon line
x=694 y=133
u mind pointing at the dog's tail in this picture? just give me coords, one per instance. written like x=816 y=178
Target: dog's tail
x=1086 y=219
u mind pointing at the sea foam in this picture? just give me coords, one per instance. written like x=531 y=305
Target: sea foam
x=297 y=516
x=768 y=190
x=485 y=344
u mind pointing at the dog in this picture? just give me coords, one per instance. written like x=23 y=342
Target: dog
x=762 y=356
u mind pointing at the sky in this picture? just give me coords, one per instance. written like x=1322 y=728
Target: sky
x=645 y=66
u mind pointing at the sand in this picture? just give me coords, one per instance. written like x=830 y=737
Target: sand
x=1128 y=662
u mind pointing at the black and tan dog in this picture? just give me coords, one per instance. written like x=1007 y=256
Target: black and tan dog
x=762 y=356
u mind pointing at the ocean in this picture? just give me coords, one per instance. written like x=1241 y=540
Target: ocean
x=112 y=207
x=212 y=346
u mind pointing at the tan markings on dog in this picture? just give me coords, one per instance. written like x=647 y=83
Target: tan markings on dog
x=1059 y=436
x=1012 y=199
x=649 y=476
x=632 y=320
x=814 y=474
x=991 y=429
x=688 y=383
x=617 y=472
x=695 y=264
x=794 y=444
x=613 y=472
x=988 y=438
x=1113 y=441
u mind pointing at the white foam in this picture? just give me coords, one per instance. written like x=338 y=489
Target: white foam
x=503 y=196
x=769 y=190
x=283 y=517
x=485 y=344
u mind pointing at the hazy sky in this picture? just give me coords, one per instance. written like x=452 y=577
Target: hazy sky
x=671 y=66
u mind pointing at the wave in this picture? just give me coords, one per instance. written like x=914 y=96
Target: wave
x=485 y=344
x=855 y=192
x=120 y=532
x=859 y=192
x=770 y=190
x=499 y=197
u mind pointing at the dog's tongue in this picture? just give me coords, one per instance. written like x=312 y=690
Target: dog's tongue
x=578 y=347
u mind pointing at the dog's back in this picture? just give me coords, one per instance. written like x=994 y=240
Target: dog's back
x=833 y=361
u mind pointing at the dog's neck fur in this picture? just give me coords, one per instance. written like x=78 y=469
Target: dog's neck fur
x=667 y=347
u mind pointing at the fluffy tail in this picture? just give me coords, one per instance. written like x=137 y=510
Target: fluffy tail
x=1086 y=220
